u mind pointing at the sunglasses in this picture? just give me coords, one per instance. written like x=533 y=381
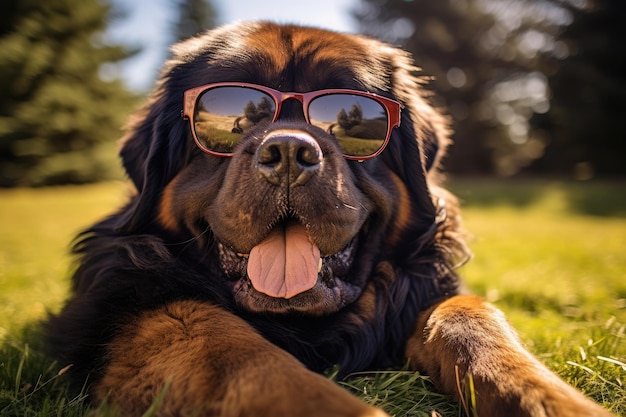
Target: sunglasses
x=220 y=114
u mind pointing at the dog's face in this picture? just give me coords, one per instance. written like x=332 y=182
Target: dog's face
x=293 y=161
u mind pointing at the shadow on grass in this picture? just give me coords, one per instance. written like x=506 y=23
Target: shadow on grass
x=594 y=198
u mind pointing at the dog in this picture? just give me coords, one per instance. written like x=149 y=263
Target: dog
x=287 y=219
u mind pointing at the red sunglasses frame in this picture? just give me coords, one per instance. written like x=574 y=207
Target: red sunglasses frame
x=392 y=108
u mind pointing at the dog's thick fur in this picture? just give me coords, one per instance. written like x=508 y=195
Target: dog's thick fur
x=161 y=301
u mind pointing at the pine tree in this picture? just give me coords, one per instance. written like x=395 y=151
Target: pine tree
x=589 y=88
x=60 y=112
x=194 y=16
x=474 y=50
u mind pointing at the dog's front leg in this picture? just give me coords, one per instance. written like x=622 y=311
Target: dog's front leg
x=469 y=350
x=205 y=361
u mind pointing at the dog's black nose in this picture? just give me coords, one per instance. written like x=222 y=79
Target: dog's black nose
x=288 y=158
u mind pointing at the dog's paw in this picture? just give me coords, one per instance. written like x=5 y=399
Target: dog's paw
x=548 y=396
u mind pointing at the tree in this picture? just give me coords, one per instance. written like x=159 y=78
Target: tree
x=348 y=120
x=585 y=123
x=60 y=108
x=483 y=57
x=194 y=16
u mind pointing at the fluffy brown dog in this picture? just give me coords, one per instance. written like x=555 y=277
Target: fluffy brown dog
x=287 y=220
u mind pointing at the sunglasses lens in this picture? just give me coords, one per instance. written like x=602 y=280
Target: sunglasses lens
x=222 y=114
x=359 y=123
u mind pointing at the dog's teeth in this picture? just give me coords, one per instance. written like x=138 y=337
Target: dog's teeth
x=243 y=255
x=319 y=266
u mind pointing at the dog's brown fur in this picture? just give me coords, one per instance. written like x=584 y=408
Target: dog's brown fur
x=157 y=310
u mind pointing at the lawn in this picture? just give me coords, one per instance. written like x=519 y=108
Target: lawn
x=552 y=255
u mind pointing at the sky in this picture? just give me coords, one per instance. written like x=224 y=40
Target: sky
x=148 y=25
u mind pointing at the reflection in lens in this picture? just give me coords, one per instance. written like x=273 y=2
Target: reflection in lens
x=222 y=114
x=358 y=123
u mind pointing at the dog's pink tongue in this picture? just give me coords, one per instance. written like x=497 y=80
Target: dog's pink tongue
x=285 y=264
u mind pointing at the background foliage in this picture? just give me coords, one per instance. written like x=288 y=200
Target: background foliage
x=532 y=86
x=60 y=109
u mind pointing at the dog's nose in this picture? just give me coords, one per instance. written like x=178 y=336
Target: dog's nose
x=287 y=157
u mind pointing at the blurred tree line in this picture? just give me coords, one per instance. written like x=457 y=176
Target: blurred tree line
x=60 y=107
x=533 y=86
x=62 y=103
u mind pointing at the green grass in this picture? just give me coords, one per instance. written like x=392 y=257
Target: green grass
x=552 y=255
x=37 y=227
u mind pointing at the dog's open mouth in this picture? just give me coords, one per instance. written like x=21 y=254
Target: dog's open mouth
x=285 y=272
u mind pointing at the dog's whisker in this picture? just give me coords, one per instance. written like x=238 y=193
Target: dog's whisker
x=192 y=239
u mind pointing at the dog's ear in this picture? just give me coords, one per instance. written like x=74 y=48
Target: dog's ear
x=136 y=146
x=414 y=154
x=435 y=141
x=152 y=153
x=420 y=142
x=157 y=146
x=431 y=127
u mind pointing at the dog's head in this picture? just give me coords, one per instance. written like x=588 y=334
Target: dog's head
x=295 y=159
